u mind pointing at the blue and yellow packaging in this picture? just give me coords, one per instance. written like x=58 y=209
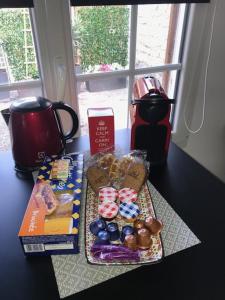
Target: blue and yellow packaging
x=51 y=221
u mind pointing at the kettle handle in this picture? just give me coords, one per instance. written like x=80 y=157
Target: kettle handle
x=62 y=106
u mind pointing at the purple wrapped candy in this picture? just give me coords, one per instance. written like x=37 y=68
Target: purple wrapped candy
x=97 y=225
x=115 y=253
x=102 y=238
x=113 y=231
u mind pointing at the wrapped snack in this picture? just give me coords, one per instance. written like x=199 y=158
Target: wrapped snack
x=106 y=160
x=114 y=171
x=111 y=253
x=97 y=178
x=136 y=176
x=125 y=162
x=60 y=169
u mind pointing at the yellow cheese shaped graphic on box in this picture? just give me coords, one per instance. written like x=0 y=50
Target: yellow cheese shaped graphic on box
x=58 y=226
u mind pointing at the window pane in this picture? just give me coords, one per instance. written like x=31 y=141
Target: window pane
x=17 y=52
x=158 y=34
x=93 y=95
x=100 y=38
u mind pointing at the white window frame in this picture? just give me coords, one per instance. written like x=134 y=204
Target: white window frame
x=25 y=84
x=53 y=41
x=131 y=71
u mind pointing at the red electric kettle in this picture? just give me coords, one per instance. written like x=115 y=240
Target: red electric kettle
x=36 y=130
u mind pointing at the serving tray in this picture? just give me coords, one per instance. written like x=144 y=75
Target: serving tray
x=152 y=255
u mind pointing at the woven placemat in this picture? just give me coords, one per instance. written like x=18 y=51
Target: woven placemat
x=73 y=273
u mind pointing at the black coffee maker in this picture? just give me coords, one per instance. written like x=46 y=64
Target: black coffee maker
x=150 y=114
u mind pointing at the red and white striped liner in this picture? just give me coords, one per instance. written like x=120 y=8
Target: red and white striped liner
x=107 y=194
x=127 y=195
x=108 y=210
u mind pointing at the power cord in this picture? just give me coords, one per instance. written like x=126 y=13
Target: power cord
x=205 y=80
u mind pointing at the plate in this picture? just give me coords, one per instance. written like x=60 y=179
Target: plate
x=150 y=256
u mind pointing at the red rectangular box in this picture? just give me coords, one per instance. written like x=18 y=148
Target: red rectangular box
x=101 y=129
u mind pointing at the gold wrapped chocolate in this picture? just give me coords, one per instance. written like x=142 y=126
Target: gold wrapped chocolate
x=153 y=225
x=130 y=242
x=144 y=240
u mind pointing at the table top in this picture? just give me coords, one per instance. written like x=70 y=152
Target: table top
x=195 y=273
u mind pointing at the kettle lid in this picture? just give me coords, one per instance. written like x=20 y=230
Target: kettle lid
x=30 y=104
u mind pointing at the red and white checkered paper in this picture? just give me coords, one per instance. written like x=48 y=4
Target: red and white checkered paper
x=108 y=210
x=107 y=194
x=127 y=195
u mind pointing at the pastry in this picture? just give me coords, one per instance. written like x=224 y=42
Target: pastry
x=106 y=161
x=97 y=178
x=124 y=165
x=135 y=176
x=47 y=197
x=127 y=195
x=107 y=194
x=114 y=171
x=129 y=211
x=108 y=210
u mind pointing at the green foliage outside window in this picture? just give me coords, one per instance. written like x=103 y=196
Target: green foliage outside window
x=101 y=35
x=12 y=41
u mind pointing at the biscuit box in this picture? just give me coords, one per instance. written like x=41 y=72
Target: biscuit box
x=101 y=129
x=51 y=221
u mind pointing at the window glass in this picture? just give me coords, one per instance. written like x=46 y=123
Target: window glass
x=17 y=53
x=158 y=34
x=100 y=38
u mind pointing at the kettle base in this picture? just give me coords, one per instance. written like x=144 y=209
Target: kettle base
x=20 y=169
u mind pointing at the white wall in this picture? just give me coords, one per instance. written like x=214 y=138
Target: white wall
x=208 y=145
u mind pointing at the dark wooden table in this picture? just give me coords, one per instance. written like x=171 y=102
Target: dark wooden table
x=195 y=273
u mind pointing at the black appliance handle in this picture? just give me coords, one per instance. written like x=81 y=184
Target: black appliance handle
x=153 y=101
x=62 y=106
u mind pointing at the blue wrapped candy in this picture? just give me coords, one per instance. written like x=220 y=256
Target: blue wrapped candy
x=102 y=238
x=113 y=231
x=97 y=225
